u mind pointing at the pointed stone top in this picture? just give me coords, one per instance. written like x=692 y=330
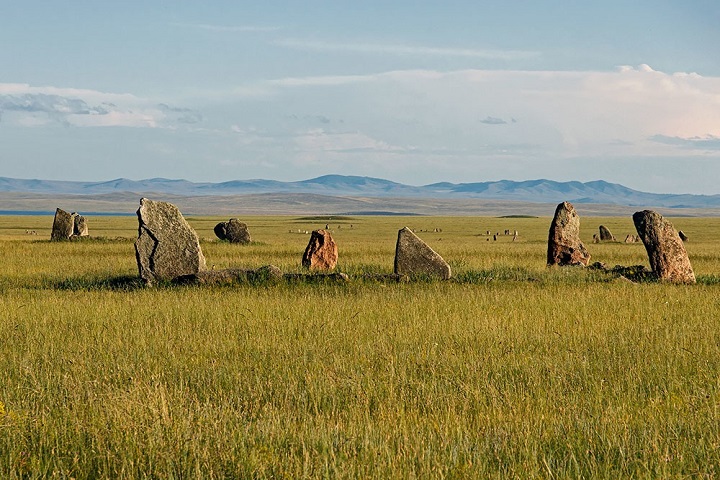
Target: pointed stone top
x=415 y=257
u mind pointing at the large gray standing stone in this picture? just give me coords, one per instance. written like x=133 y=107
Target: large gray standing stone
x=80 y=228
x=668 y=257
x=605 y=235
x=167 y=246
x=564 y=245
x=415 y=257
x=63 y=225
x=321 y=252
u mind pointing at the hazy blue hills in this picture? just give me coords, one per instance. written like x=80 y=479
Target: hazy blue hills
x=534 y=191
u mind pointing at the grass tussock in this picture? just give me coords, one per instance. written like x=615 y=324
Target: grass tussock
x=510 y=370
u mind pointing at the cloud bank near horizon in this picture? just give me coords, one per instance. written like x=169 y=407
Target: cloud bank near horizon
x=463 y=123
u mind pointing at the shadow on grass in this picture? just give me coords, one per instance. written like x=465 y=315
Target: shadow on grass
x=123 y=283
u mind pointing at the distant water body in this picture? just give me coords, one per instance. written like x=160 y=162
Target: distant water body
x=84 y=214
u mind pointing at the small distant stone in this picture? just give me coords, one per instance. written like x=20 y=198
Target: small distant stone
x=631 y=239
x=415 y=257
x=605 y=235
x=564 y=245
x=233 y=231
x=321 y=252
x=682 y=236
x=63 y=225
x=668 y=258
x=80 y=227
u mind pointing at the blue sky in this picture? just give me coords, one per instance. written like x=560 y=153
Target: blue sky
x=415 y=92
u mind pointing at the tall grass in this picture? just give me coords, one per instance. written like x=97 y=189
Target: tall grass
x=511 y=371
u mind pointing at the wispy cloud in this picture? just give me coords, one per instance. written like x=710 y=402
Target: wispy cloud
x=709 y=142
x=34 y=106
x=403 y=50
x=228 y=28
x=493 y=121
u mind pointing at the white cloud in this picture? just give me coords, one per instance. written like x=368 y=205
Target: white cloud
x=27 y=105
x=403 y=50
x=228 y=28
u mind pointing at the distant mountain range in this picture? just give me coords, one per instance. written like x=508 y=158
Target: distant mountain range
x=533 y=191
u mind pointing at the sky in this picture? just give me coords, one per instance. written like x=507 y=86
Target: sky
x=416 y=92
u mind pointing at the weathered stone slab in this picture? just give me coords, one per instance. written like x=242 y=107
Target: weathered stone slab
x=564 y=245
x=321 y=252
x=167 y=247
x=668 y=257
x=80 y=227
x=605 y=235
x=63 y=225
x=415 y=257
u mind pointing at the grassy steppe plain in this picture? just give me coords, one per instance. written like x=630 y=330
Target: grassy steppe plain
x=513 y=370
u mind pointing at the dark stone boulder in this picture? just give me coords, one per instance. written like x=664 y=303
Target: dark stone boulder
x=668 y=258
x=605 y=235
x=564 y=245
x=233 y=231
x=415 y=257
x=321 y=252
x=167 y=247
x=682 y=236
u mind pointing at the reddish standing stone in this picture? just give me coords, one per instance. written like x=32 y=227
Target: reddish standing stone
x=321 y=252
x=564 y=245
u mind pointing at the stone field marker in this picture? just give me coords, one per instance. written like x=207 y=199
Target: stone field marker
x=413 y=257
x=666 y=251
x=167 y=246
x=321 y=252
x=564 y=245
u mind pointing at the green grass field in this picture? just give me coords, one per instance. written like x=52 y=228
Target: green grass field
x=512 y=370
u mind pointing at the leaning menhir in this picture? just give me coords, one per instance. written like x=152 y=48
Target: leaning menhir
x=321 y=252
x=668 y=258
x=605 y=234
x=415 y=257
x=167 y=246
x=564 y=245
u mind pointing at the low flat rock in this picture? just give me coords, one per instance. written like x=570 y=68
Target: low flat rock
x=63 y=225
x=415 y=257
x=564 y=245
x=230 y=276
x=167 y=247
x=321 y=252
x=668 y=258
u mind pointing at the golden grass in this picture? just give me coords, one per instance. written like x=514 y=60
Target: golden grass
x=517 y=371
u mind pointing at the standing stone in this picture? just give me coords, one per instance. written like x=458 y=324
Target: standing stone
x=605 y=235
x=80 y=228
x=63 y=225
x=668 y=257
x=167 y=246
x=682 y=236
x=321 y=252
x=630 y=239
x=413 y=257
x=564 y=245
